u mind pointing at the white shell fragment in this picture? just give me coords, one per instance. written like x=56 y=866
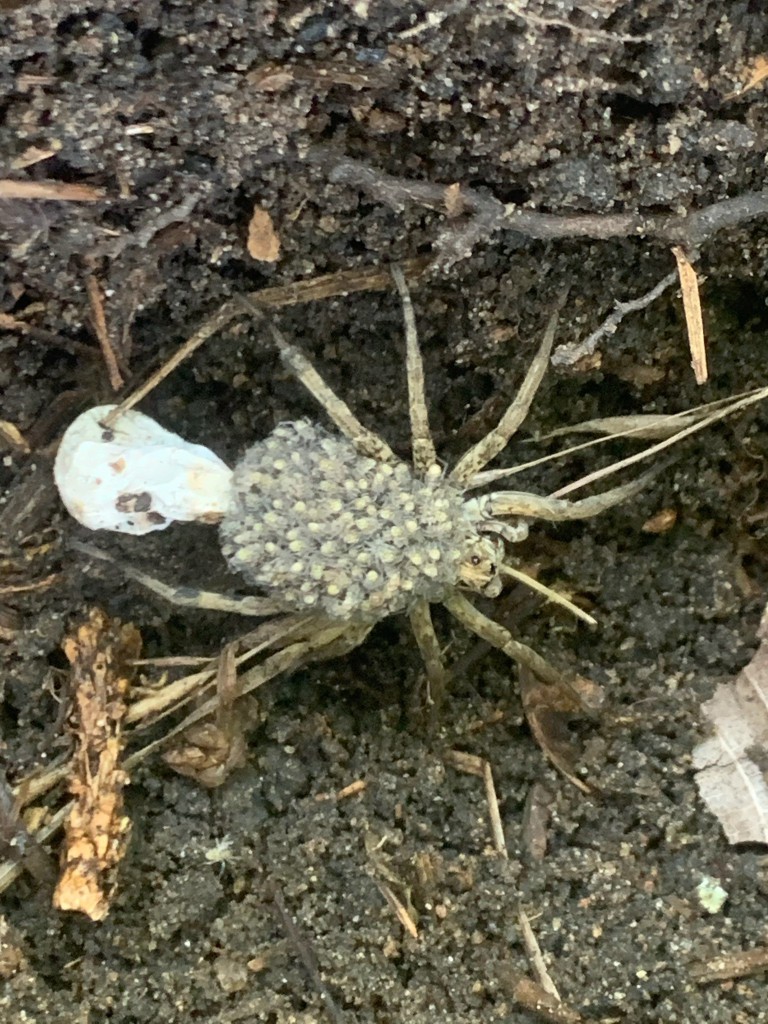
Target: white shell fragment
x=136 y=477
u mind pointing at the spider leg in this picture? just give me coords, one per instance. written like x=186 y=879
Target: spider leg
x=422 y=445
x=366 y=442
x=421 y=624
x=497 y=439
x=499 y=637
x=186 y=597
x=208 y=600
x=555 y=510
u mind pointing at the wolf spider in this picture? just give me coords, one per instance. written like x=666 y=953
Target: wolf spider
x=338 y=533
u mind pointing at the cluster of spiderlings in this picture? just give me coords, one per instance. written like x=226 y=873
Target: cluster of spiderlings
x=321 y=527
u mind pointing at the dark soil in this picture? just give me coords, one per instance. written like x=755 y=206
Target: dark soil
x=171 y=107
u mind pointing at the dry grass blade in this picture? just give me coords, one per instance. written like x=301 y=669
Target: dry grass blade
x=533 y=949
x=644 y=427
x=549 y=593
x=751 y=398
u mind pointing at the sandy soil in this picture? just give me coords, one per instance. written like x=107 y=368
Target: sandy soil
x=186 y=116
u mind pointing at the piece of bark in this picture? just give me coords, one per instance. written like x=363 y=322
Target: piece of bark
x=97 y=829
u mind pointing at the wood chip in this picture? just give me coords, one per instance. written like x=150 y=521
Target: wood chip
x=263 y=240
x=97 y=829
x=694 y=322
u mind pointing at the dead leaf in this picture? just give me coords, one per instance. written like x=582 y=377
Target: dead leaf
x=263 y=240
x=210 y=751
x=96 y=830
x=548 y=709
x=207 y=753
x=730 y=765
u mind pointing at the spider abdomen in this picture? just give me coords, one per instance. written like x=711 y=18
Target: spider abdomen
x=319 y=526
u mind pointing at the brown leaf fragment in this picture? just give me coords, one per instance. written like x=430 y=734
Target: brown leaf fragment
x=263 y=240
x=210 y=751
x=207 y=753
x=549 y=708
x=694 y=322
x=97 y=829
x=662 y=521
x=730 y=764
x=726 y=966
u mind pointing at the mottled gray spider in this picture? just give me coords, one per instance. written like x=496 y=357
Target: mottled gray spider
x=337 y=532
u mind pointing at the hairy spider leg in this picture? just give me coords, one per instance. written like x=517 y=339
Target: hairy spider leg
x=558 y=510
x=496 y=440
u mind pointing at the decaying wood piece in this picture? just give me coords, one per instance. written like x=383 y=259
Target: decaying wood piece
x=97 y=829
x=730 y=763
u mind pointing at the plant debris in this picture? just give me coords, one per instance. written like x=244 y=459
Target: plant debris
x=730 y=764
x=689 y=285
x=263 y=240
x=97 y=829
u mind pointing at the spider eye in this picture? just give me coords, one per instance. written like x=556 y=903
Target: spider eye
x=475 y=559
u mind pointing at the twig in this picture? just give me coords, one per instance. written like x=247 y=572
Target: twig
x=726 y=966
x=100 y=327
x=305 y=953
x=570 y=353
x=154 y=224
x=490 y=214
